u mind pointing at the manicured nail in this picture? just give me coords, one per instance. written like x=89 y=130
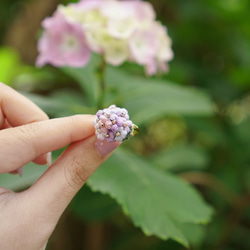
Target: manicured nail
x=20 y=171
x=104 y=148
x=49 y=159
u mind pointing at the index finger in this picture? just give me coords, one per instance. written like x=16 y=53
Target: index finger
x=17 y=109
x=23 y=144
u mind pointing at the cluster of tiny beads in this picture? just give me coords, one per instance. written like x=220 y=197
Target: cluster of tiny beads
x=113 y=124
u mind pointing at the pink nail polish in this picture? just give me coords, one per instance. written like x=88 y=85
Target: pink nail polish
x=104 y=148
x=49 y=159
x=20 y=171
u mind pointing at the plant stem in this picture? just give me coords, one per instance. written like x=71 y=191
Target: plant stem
x=102 y=85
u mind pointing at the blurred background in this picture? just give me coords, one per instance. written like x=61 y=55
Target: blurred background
x=211 y=42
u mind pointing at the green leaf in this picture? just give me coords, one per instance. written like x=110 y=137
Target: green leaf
x=195 y=233
x=182 y=157
x=157 y=202
x=31 y=172
x=208 y=128
x=60 y=104
x=243 y=132
x=92 y=206
x=148 y=99
x=87 y=78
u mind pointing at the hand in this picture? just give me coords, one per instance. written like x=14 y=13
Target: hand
x=28 y=218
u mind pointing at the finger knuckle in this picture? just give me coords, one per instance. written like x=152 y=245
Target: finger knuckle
x=76 y=173
x=27 y=134
x=26 y=131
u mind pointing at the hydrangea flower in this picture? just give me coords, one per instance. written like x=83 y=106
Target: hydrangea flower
x=118 y=30
x=62 y=43
x=113 y=124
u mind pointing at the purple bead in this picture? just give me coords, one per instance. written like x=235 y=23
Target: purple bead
x=127 y=129
x=129 y=123
x=108 y=124
x=119 y=121
x=103 y=118
x=114 y=128
x=99 y=113
x=111 y=137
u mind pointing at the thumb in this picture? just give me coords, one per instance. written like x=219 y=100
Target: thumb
x=51 y=194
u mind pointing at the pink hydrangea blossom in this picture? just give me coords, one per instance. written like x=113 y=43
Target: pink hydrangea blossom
x=62 y=43
x=88 y=4
x=118 y=30
x=143 y=46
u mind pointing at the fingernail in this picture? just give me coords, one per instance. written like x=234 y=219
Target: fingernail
x=20 y=171
x=49 y=159
x=104 y=148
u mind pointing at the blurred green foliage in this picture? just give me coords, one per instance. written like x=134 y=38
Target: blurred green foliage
x=180 y=132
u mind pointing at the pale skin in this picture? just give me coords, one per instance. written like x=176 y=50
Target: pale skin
x=28 y=218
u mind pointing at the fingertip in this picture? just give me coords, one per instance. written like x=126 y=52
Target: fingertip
x=41 y=160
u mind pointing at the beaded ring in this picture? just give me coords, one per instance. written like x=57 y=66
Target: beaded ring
x=113 y=124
